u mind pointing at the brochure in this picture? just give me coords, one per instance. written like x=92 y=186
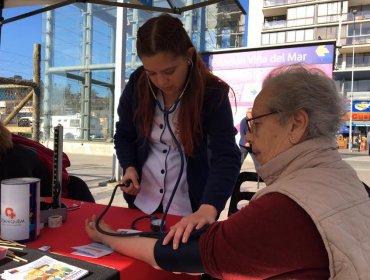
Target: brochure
x=45 y=268
x=92 y=250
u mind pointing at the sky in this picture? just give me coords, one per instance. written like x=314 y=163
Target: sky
x=17 y=41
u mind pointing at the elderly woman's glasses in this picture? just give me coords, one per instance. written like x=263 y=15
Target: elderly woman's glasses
x=250 y=122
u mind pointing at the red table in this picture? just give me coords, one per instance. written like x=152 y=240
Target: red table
x=72 y=233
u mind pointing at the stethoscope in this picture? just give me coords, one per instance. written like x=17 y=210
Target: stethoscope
x=166 y=114
x=174 y=105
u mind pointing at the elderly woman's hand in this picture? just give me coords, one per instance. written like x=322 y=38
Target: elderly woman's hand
x=92 y=231
x=205 y=215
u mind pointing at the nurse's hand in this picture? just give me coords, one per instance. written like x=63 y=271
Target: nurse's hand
x=129 y=182
x=181 y=231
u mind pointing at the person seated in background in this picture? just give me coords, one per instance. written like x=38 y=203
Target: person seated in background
x=311 y=221
x=243 y=144
x=23 y=157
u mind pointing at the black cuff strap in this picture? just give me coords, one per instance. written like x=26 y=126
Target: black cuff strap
x=185 y=259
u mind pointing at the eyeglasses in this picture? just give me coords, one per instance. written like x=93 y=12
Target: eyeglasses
x=250 y=123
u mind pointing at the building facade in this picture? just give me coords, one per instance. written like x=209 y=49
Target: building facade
x=347 y=22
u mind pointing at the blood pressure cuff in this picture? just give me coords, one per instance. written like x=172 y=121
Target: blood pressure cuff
x=185 y=259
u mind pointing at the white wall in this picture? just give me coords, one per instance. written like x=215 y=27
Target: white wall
x=255 y=23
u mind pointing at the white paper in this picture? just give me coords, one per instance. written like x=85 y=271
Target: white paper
x=92 y=250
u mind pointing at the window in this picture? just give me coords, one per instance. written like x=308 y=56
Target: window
x=290 y=36
x=281 y=37
x=340 y=60
x=273 y=38
x=301 y=15
x=349 y=60
x=327 y=32
x=322 y=10
x=333 y=8
x=328 y=12
x=366 y=59
x=309 y=35
x=363 y=85
x=74 y=123
x=299 y=36
x=266 y=39
x=359 y=59
x=275 y=22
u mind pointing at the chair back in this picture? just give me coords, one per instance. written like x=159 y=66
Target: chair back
x=367 y=188
x=238 y=194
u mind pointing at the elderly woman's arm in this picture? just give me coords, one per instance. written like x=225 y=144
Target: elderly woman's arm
x=140 y=248
x=185 y=259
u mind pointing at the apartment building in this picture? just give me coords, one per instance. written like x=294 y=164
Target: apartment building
x=347 y=22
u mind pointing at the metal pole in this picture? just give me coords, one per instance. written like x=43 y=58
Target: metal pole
x=354 y=12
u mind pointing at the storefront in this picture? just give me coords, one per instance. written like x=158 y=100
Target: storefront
x=360 y=126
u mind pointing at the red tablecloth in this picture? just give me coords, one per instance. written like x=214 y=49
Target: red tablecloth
x=72 y=233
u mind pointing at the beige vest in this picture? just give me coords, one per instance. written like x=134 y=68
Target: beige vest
x=313 y=174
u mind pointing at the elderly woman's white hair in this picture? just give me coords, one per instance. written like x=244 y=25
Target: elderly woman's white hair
x=299 y=86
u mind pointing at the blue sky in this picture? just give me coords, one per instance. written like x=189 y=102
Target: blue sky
x=17 y=40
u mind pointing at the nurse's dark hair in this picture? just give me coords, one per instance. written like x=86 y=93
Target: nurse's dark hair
x=300 y=86
x=166 y=34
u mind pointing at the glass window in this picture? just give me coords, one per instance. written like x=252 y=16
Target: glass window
x=81 y=37
x=331 y=32
x=309 y=35
x=309 y=20
x=273 y=38
x=74 y=123
x=290 y=36
x=365 y=28
x=322 y=10
x=340 y=61
x=359 y=59
x=224 y=22
x=265 y=39
x=300 y=21
x=225 y=38
x=333 y=8
x=349 y=60
x=310 y=11
x=103 y=34
x=363 y=85
x=299 y=35
x=281 y=37
x=301 y=12
x=292 y=13
x=67 y=36
x=367 y=59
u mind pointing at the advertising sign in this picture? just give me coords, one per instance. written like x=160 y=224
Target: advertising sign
x=362 y=106
x=245 y=69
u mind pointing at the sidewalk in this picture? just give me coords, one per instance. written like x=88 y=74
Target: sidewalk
x=96 y=171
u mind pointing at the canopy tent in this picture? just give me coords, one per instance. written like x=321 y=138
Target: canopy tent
x=173 y=6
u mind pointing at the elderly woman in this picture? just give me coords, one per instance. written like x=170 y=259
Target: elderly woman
x=312 y=221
